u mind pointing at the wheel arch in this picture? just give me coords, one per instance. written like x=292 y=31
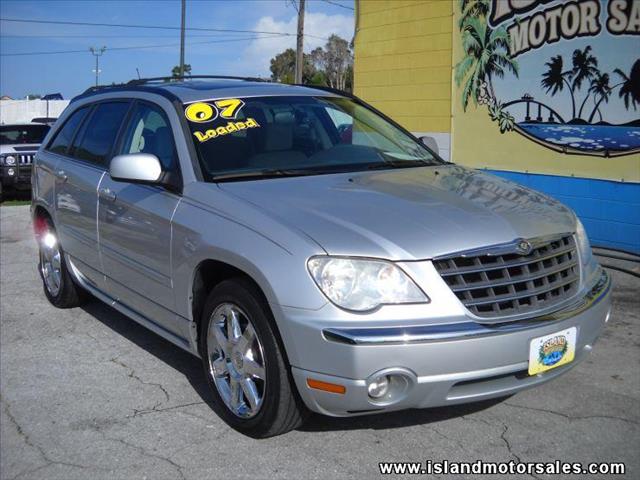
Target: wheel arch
x=39 y=216
x=209 y=273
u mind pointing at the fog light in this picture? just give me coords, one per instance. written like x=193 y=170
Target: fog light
x=378 y=387
x=11 y=172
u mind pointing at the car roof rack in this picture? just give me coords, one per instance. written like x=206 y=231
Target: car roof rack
x=143 y=81
x=326 y=89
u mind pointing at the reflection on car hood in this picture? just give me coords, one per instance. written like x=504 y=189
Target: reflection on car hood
x=19 y=148
x=407 y=214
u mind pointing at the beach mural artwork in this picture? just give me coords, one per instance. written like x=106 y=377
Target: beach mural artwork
x=564 y=74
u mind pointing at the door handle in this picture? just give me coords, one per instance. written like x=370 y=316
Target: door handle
x=107 y=194
x=61 y=175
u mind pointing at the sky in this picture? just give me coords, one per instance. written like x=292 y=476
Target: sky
x=222 y=53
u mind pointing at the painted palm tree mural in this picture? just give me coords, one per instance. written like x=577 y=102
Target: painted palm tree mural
x=568 y=114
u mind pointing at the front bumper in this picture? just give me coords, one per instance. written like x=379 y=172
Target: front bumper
x=15 y=176
x=442 y=364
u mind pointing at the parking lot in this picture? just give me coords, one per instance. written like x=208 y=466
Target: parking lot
x=87 y=393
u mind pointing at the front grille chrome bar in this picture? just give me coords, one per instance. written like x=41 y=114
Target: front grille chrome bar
x=497 y=282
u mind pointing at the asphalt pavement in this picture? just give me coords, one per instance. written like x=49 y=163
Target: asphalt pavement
x=88 y=394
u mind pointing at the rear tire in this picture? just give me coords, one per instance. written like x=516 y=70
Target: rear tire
x=59 y=287
x=238 y=345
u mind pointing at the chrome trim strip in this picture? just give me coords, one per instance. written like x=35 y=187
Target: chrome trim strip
x=504 y=248
x=430 y=333
x=498 y=266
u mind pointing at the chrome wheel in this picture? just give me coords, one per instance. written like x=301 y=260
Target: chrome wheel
x=236 y=360
x=51 y=263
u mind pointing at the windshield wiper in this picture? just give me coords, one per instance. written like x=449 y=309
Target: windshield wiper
x=398 y=164
x=259 y=174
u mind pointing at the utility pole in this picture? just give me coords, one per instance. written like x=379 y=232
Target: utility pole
x=97 y=53
x=184 y=8
x=300 y=43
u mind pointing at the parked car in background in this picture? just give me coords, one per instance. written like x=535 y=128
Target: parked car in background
x=18 y=145
x=46 y=120
x=313 y=253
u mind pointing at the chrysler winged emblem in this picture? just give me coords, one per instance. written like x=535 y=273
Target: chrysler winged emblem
x=523 y=247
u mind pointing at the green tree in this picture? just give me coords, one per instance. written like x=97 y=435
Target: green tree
x=487 y=56
x=630 y=85
x=335 y=60
x=283 y=67
x=555 y=78
x=319 y=78
x=175 y=71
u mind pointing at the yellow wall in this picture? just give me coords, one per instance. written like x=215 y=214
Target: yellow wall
x=403 y=60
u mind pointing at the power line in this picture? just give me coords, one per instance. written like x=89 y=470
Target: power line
x=339 y=5
x=203 y=35
x=133 y=47
x=155 y=27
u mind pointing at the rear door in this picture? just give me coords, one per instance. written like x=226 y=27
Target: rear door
x=77 y=178
x=135 y=222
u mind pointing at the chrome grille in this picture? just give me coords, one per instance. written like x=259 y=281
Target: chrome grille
x=25 y=158
x=495 y=285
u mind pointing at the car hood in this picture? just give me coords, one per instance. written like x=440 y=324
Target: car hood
x=407 y=214
x=19 y=148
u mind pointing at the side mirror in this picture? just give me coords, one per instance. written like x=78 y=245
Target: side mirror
x=136 y=167
x=430 y=143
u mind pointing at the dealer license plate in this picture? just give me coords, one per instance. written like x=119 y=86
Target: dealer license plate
x=551 y=351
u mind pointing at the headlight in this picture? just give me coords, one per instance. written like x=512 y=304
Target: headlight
x=363 y=285
x=10 y=160
x=583 y=243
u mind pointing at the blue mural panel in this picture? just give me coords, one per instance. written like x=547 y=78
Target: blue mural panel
x=610 y=211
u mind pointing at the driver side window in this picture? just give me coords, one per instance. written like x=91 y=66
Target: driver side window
x=149 y=132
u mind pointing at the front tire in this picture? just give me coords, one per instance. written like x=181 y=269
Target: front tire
x=59 y=287
x=244 y=364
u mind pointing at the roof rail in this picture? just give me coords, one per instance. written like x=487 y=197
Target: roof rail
x=142 y=81
x=326 y=89
x=96 y=88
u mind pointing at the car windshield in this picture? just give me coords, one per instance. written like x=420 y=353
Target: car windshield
x=16 y=134
x=241 y=138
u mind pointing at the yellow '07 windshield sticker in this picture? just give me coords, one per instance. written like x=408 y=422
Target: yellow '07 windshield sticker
x=229 y=107
x=201 y=112
x=222 y=130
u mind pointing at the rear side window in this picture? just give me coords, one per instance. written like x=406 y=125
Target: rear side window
x=98 y=134
x=149 y=132
x=63 y=138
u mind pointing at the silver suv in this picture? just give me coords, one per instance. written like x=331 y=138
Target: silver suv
x=312 y=252
x=18 y=145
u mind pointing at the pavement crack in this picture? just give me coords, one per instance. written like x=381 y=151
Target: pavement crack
x=503 y=437
x=146 y=453
x=137 y=413
x=132 y=374
x=572 y=417
x=446 y=437
x=27 y=440
x=477 y=419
